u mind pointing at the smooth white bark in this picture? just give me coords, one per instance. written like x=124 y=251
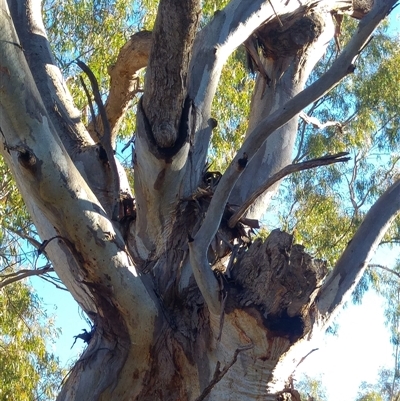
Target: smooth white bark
x=355 y=258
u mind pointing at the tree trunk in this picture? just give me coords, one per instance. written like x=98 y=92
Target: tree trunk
x=175 y=318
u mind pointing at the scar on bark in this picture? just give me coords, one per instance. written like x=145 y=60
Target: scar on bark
x=26 y=157
x=242 y=162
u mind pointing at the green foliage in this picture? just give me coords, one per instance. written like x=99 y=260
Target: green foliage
x=373 y=396
x=387 y=388
x=311 y=388
x=317 y=218
x=14 y=218
x=93 y=31
x=231 y=107
x=28 y=370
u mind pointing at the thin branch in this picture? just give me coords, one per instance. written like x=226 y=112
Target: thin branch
x=52 y=280
x=385 y=268
x=24 y=273
x=219 y=374
x=304 y=357
x=291 y=168
x=92 y=113
x=35 y=243
x=97 y=97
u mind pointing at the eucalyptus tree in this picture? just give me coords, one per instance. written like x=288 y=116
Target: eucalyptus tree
x=183 y=305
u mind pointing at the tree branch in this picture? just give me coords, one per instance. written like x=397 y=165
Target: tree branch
x=212 y=47
x=34 y=242
x=165 y=82
x=343 y=65
x=48 y=78
x=218 y=39
x=50 y=183
x=292 y=168
x=23 y=273
x=385 y=268
x=358 y=252
x=124 y=83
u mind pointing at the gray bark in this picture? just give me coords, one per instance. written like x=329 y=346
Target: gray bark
x=170 y=321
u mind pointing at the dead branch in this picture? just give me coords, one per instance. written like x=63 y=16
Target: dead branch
x=219 y=374
x=35 y=243
x=291 y=168
x=21 y=274
x=304 y=357
x=385 y=268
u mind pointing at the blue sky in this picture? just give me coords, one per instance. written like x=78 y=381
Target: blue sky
x=361 y=347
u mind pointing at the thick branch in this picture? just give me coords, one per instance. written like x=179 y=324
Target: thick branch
x=165 y=82
x=124 y=82
x=360 y=249
x=217 y=40
x=343 y=65
x=292 y=168
x=53 y=90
